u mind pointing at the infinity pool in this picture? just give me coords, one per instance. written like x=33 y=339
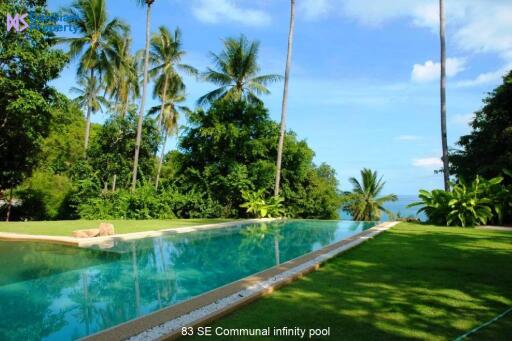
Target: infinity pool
x=55 y=292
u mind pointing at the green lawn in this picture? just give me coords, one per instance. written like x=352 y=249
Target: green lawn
x=414 y=281
x=65 y=227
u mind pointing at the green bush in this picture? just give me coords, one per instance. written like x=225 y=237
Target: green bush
x=481 y=202
x=43 y=196
x=147 y=203
x=256 y=204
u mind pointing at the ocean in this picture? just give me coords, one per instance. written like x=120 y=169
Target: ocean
x=397 y=207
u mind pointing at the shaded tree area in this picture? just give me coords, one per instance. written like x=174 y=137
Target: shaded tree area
x=487 y=149
x=27 y=63
x=231 y=148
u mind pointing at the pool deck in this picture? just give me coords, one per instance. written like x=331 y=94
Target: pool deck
x=108 y=241
x=201 y=310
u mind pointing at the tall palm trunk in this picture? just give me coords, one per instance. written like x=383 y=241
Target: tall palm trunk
x=285 y=98
x=444 y=139
x=161 y=161
x=9 y=205
x=88 y=123
x=164 y=98
x=142 y=102
x=87 y=130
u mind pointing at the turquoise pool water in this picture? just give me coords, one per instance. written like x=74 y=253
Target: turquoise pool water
x=55 y=292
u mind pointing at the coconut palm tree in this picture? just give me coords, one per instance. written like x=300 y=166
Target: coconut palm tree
x=121 y=76
x=165 y=55
x=282 y=130
x=444 y=138
x=169 y=112
x=236 y=72
x=364 y=203
x=88 y=97
x=138 y=138
x=95 y=32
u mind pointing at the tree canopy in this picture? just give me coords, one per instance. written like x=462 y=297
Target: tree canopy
x=487 y=149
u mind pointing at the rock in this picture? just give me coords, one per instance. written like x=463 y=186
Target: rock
x=106 y=229
x=86 y=233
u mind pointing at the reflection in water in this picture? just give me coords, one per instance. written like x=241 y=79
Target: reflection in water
x=61 y=293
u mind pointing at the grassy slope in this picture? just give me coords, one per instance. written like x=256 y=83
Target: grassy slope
x=413 y=281
x=65 y=227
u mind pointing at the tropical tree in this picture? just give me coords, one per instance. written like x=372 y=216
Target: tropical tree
x=121 y=75
x=364 y=202
x=285 y=98
x=165 y=56
x=236 y=72
x=28 y=62
x=93 y=40
x=138 y=137
x=168 y=113
x=444 y=139
x=89 y=97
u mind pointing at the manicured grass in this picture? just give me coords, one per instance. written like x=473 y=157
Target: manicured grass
x=65 y=227
x=414 y=281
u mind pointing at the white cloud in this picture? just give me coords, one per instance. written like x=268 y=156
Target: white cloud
x=313 y=9
x=408 y=138
x=430 y=71
x=218 y=11
x=485 y=78
x=428 y=162
x=474 y=26
x=463 y=120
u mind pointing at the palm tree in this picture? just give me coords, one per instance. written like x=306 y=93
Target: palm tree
x=364 y=203
x=121 y=75
x=282 y=130
x=165 y=56
x=444 y=138
x=88 y=97
x=169 y=112
x=95 y=33
x=236 y=72
x=148 y=4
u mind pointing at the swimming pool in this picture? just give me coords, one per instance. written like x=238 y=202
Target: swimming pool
x=56 y=292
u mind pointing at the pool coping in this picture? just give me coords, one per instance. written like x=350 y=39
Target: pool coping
x=106 y=241
x=166 y=323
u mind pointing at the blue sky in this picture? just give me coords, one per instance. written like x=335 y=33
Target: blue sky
x=364 y=83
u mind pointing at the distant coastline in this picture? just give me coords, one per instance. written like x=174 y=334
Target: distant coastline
x=397 y=207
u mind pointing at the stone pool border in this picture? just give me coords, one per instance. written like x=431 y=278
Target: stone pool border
x=201 y=310
x=106 y=242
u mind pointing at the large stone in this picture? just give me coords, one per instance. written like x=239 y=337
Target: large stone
x=106 y=229
x=86 y=233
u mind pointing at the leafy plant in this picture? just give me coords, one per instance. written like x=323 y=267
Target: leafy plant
x=467 y=205
x=434 y=205
x=257 y=205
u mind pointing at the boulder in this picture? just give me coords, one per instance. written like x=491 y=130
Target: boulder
x=106 y=229
x=86 y=233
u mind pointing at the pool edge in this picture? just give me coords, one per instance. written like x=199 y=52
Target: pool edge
x=151 y=327
x=107 y=240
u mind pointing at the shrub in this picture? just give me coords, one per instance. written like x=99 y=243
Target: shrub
x=147 y=203
x=480 y=202
x=44 y=196
x=256 y=204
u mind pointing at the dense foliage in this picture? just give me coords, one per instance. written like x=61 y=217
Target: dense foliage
x=231 y=148
x=487 y=150
x=480 y=202
x=27 y=63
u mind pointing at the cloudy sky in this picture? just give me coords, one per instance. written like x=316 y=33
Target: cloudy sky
x=364 y=84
